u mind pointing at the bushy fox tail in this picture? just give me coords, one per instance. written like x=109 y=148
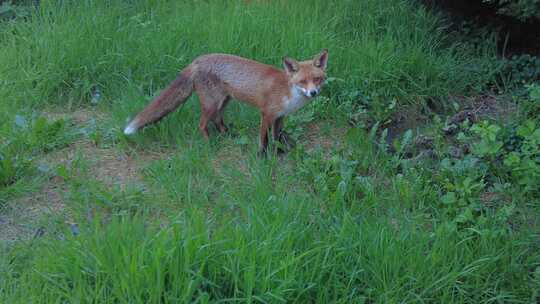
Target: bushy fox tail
x=172 y=97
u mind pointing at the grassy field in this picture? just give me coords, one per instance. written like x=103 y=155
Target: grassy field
x=88 y=215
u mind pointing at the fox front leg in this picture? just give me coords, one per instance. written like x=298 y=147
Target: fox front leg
x=281 y=136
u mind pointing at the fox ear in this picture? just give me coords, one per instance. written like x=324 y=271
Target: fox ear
x=321 y=59
x=290 y=65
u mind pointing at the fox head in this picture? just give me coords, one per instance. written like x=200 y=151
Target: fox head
x=307 y=76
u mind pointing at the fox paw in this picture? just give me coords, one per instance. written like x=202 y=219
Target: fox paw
x=262 y=154
x=286 y=140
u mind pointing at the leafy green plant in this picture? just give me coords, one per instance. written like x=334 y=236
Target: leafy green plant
x=530 y=105
x=462 y=181
x=461 y=200
x=334 y=177
x=488 y=144
x=516 y=151
x=508 y=154
x=373 y=107
x=12 y=167
x=524 y=162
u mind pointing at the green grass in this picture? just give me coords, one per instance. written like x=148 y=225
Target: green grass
x=210 y=222
x=268 y=239
x=392 y=47
x=261 y=259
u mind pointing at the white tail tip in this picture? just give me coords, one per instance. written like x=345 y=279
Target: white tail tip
x=131 y=128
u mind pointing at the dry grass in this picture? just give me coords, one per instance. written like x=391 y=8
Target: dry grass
x=22 y=218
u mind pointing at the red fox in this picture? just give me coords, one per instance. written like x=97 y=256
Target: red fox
x=218 y=77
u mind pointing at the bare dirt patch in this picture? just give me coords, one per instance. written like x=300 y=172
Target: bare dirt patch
x=231 y=154
x=105 y=164
x=23 y=216
x=483 y=107
x=79 y=117
x=328 y=140
x=20 y=220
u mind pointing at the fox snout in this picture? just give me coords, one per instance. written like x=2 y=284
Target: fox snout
x=313 y=93
x=310 y=93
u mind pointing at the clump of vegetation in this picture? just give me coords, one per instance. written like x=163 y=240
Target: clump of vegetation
x=23 y=140
x=523 y=10
x=521 y=70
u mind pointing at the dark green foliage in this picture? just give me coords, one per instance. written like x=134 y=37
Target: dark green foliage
x=12 y=10
x=523 y=10
x=521 y=69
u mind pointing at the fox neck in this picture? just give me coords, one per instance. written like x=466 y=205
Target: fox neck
x=294 y=101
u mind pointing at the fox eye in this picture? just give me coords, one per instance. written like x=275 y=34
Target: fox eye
x=303 y=82
x=318 y=80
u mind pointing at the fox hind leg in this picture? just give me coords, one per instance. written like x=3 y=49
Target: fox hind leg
x=208 y=112
x=218 y=117
x=211 y=98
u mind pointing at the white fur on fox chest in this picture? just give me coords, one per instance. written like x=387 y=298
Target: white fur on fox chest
x=294 y=102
